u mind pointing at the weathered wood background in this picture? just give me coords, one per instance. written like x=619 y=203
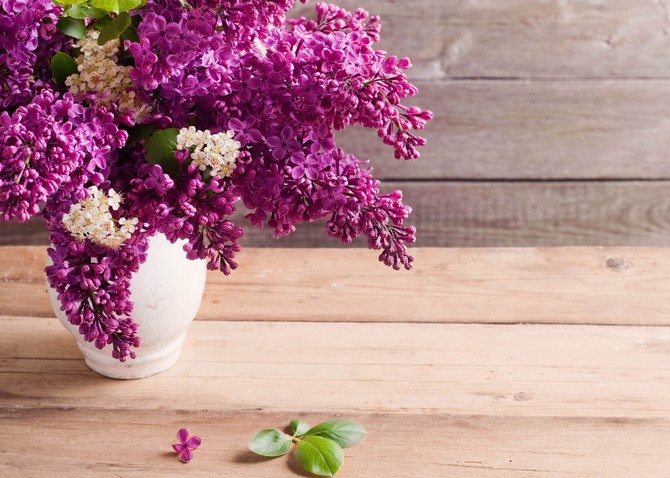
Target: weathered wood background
x=551 y=123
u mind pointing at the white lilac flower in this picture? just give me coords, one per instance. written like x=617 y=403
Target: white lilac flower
x=91 y=219
x=98 y=72
x=218 y=152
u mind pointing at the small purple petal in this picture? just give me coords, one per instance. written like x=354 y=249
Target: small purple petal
x=186 y=455
x=182 y=435
x=193 y=442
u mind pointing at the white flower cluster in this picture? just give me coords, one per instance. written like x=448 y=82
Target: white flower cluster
x=99 y=72
x=91 y=219
x=218 y=151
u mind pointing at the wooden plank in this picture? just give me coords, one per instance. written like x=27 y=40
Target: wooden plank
x=57 y=442
x=543 y=214
x=524 y=38
x=30 y=233
x=517 y=214
x=521 y=370
x=533 y=130
x=570 y=285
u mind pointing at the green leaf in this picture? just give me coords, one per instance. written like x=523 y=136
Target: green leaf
x=319 y=455
x=299 y=427
x=138 y=133
x=270 y=442
x=62 y=66
x=106 y=5
x=84 y=11
x=126 y=5
x=73 y=27
x=131 y=34
x=345 y=433
x=160 y=148
x=101 y=23
x=68 y=2
x=114 y=29
x=117 y=6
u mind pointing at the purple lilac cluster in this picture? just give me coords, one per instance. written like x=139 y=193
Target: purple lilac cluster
x=283 y=87
x=93 y=286
x=25 y=26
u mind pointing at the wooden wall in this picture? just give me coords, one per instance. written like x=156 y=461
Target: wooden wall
x=552 y=123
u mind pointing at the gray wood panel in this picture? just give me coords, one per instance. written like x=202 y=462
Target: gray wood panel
x=462 y=214
x=525 y=38
x=548 y=114
x=613 y=213
x=533 y=130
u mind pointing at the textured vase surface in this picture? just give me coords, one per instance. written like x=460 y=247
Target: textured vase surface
x=167 y=292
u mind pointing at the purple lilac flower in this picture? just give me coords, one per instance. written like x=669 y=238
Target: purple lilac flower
x=23 y=25
x=282 y=86
x=186 y=445
x=93 y=285
x=40 y=151
x=283 y=143
x=189 y=208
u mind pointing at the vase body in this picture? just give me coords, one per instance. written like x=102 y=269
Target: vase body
x=166 y=293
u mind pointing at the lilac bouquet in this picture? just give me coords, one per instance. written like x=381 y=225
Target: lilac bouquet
x=121 y=119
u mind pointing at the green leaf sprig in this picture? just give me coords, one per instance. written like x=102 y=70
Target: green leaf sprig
x=318 y=449
x=97 y=8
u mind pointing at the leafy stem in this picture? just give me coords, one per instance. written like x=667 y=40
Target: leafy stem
x=318 y=449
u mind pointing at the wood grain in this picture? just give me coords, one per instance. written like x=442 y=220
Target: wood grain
x=493 y=214
x=541 y=213
x=533 y=130
x=438 y=399
x=503 y=370
x=614 y=286
x=525 y=39
x=525 y=214
x=422 y=445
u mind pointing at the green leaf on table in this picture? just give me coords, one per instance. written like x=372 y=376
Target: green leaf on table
x=299 y=427
x=160 y=148
x=84 y=11
x=73 y=27
x=114 y=29
x=117 y=6
x=345 y=433
x=270 y=442
x=319 y=455
x=62 y=66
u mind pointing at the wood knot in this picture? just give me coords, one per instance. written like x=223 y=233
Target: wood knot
x=522 y=397
x=617 y=264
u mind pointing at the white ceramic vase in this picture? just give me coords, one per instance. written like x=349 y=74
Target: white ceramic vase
x=166 y=293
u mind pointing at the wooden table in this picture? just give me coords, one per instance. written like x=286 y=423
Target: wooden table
x=478 y=363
